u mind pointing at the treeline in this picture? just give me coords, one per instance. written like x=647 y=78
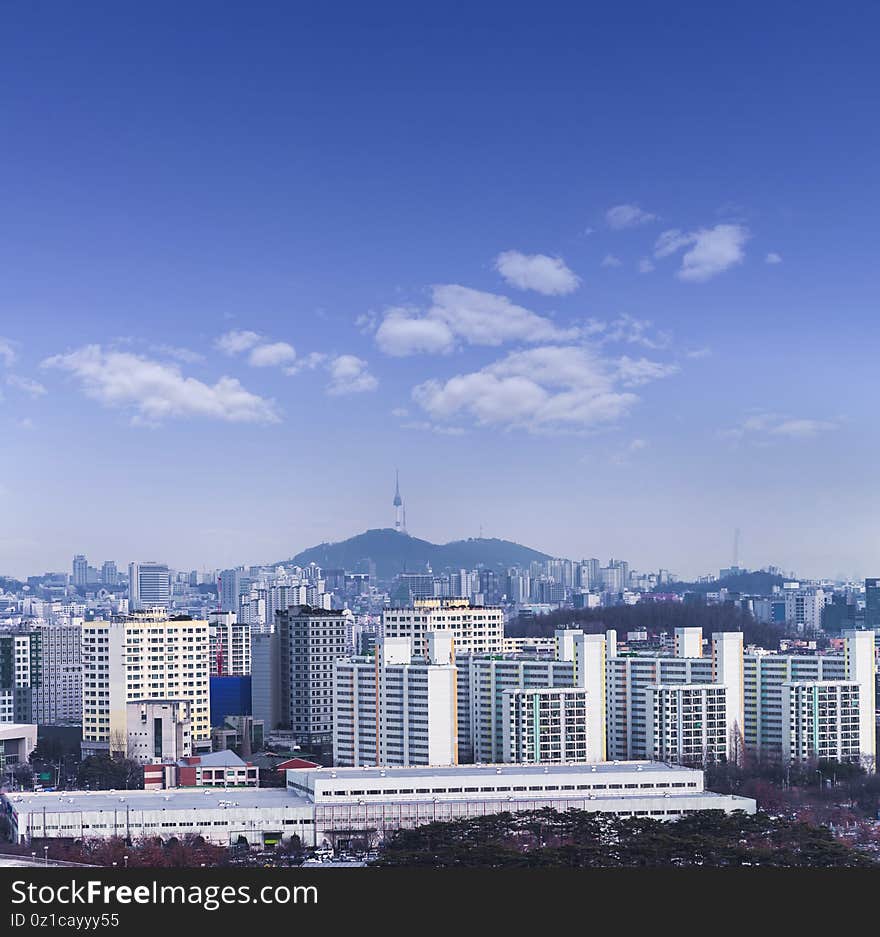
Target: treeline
x=582 y=840
x=758 y=582
x=186 y=852
x=654 y=617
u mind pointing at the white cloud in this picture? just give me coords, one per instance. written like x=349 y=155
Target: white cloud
x=311 y=361
x=766 y=426
x=156 y=391
x=609 y=260
x=237 y=341
x=25 y=384
x=645 y=265
x=627 y=216
x=271 y=355
x=349 y=375
x=632 y=331
x=703 y=352
x=473 y=316
x=624 y=455
x=633 y=372
x=712 y=250
x=553 y=388
x=538 y=272
x=179 y=354
x=439 y=429
x=672 y=240
x=7 y=352
x=773 y=258
x=402 y=333
x=799 y=429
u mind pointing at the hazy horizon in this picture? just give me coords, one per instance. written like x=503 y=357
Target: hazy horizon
x=254 y=261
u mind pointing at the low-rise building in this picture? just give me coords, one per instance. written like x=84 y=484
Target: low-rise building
x=335 y=805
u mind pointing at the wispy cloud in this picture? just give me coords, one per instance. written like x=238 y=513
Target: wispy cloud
x=646 y=265
x=459 y=313
x=26 y=385
x=627 y=216
x=236 y=341
x=703 y=352
x=184 y=355
x=7 y=352
x=609 y=260
x=625 y=455
x=156 y=391
x=538 y=272
x=767 y=426
x=712 y=250
x=773 y=258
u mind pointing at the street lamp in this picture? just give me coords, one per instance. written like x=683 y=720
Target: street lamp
x=126 y=861
x=45 y=855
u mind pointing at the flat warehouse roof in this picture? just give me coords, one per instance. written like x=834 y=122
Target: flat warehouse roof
x=174 y=799
x=493 y=770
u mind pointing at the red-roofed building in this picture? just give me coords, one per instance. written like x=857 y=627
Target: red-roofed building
x=294 y=763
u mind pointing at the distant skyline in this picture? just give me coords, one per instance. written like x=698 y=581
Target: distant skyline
x=601 y=282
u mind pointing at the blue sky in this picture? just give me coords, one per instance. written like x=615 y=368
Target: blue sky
x=600 y=281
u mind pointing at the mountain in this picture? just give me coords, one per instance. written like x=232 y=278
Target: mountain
x=395 y=553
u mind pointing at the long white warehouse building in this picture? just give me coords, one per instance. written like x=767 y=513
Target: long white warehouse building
x=326 y=805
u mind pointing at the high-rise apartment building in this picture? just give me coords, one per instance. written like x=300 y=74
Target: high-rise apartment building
x=803 y=609
x=475 y=629
x=767 y=716
x=548 y=725
x=20 y=675
x=230 y=645
x=109 y=573
x=820 y=720
x=686 y=723
x=309 y=641
x=58 y=698
x=145 y=656
x=80 y=570
x=393 y=710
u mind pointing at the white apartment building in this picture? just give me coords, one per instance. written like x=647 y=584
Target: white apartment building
x=396 y=710
x=230 y=645
x=821 y=721
x=159 y=731
x=687 y=722
x=767 y=716
x=546 y=726
x=482 y=682
x=477 y=629
x=483 y=728
x=803 y=609
x=146 y=656
x=631 y=722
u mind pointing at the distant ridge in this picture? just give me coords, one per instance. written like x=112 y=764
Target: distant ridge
x=394 y=553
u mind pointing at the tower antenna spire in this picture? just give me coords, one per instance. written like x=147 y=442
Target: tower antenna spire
x=399 y=515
